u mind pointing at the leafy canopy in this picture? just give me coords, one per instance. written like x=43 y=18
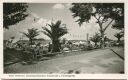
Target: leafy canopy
x=32 y=33
x=96 y=38
x=56 y=30
x=14 y=13
x=101 y=11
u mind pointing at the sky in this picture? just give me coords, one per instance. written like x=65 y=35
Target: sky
x=44 y=13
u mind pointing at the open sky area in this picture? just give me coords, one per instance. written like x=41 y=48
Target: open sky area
x=43 y=13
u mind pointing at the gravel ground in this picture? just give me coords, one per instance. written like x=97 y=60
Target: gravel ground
x=100 y=61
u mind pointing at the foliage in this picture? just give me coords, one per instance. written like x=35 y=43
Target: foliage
x=9 y=43
x=31 y=34
x=30 y=54
x=14 y=13
x=11 y=54
x=96 y=38
x=119 y=23
x=104 y=13
x=86 y=47
x=118 y=36
x=98 y=10
x=56 y=32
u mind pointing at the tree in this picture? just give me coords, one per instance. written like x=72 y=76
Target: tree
x=56 y=31
x=104 y=13
x=13 y=13
x=118 y=36
x=31 y=34
x=96 y=38
x=119 y=23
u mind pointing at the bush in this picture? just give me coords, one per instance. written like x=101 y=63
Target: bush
x=89 y=47
x=45 y=52
x=86 y=48
x=27 y=56
x=11 y=54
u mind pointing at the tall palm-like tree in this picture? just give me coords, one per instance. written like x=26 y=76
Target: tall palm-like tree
x=31 y=34
x=56 y=31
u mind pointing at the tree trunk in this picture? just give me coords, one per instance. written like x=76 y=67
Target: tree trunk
x=102 y=36
x=55 y=46
x=102 y=40
x=118 y=40
x=30 y=42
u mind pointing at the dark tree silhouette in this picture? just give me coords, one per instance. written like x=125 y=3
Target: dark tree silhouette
x=13 y=13
x=104 y=13
x=56 y=31
x=119 y=23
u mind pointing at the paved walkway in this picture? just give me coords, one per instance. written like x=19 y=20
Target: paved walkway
x=101 y=61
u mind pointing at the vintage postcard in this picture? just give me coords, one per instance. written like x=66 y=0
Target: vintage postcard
x=64 y=38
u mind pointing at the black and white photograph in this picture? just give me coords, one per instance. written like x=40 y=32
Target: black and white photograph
x=63 y=38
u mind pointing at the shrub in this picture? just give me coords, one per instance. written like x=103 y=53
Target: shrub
x=45 y=52
x=11 y=54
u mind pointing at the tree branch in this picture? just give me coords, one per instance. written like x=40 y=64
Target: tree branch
x=103 y=20
x=96 y=18
x=108 y=24
x=98 y=21
x=99 y=17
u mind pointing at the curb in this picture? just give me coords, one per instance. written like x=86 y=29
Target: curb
x=117 y=54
